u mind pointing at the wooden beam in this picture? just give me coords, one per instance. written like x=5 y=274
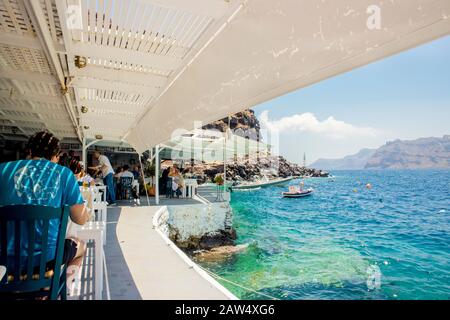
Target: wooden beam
x=113 y=106
x=46 y=122
x=40 y=23
x=30 y=108
x=147 y=79
x=91 y=83
x=15 y=40
x=30 y=97
x=106 y=121
x=20 y=75
x=210 y=8
x=127 y=56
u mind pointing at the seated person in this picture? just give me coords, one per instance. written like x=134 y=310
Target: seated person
x=119 y=172
x=42 y=181
x=177 y=180
x=136 y=172
x=125 y=173
x=82 y=177
x=164 y=178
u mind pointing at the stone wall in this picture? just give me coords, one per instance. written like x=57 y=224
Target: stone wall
x=199 y=226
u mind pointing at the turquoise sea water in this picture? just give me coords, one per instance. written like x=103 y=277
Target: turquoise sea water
x=345 y=241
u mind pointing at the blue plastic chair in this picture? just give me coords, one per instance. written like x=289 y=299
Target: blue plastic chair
x=32 y=280
x=126 y=187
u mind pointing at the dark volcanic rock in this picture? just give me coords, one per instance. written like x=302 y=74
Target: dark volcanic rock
x=246 y=124
x=218 y=239
x=272 y=167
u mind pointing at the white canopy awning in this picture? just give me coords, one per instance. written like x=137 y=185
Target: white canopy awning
x=138 y=70
x=269 y=48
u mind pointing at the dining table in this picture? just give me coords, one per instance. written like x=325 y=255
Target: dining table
x=190 y=187
x=92 y=230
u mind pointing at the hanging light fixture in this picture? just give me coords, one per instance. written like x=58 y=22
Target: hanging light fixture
x=80 y=62
x=84 y=109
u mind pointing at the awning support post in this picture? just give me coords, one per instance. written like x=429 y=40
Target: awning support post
x=143 y=179
x=84 y=152
x=157 y=174
x=225 y=163
x=85 y=148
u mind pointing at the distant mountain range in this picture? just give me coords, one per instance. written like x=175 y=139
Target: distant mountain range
x=353 y=162
x=423 y=153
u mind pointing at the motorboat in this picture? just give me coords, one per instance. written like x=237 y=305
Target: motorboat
x=297 y=193
x=261 y=183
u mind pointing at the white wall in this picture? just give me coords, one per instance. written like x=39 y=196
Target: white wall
x=197 y=220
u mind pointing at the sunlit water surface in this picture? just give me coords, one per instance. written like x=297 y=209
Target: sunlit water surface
x=346 y=241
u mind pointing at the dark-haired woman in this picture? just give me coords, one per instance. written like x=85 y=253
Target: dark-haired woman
x=82 y=177
x=40 y=180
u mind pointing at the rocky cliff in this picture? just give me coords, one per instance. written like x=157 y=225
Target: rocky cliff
x=353 y=162
x=246 y=124
x=423 y=153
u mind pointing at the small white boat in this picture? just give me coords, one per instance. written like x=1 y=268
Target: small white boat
x=262 y=184
x=297 y=193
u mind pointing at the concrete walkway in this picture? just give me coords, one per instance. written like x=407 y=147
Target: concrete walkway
x=142 y=266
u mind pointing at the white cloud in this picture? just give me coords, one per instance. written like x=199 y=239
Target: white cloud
x=307 y=122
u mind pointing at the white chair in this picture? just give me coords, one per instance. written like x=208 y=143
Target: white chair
x=95 y=230
x=102 y=212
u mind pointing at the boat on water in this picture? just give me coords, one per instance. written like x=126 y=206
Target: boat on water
x=298 y=193
x=261 y=183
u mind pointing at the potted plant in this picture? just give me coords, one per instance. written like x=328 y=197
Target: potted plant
x=149 y=171
x=218 y=179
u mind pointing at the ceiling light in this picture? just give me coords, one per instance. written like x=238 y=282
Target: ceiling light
x=80 y=62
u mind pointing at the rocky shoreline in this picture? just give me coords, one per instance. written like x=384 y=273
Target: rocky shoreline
x=271 y=167
x=220 y=244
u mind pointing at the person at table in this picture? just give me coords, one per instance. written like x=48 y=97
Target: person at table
x=119 y=171
x=164 y=178
x=107 y=172
x=82 y=177
x=126 y=173
x=177 y=180
x=136 y=172
x=63 y=159
x=40 y=180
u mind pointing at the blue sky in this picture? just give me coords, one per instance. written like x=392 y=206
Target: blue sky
x=405 y=96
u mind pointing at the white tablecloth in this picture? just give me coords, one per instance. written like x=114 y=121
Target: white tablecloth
x=191 y=185
x=92 y=230
x=89 y=195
